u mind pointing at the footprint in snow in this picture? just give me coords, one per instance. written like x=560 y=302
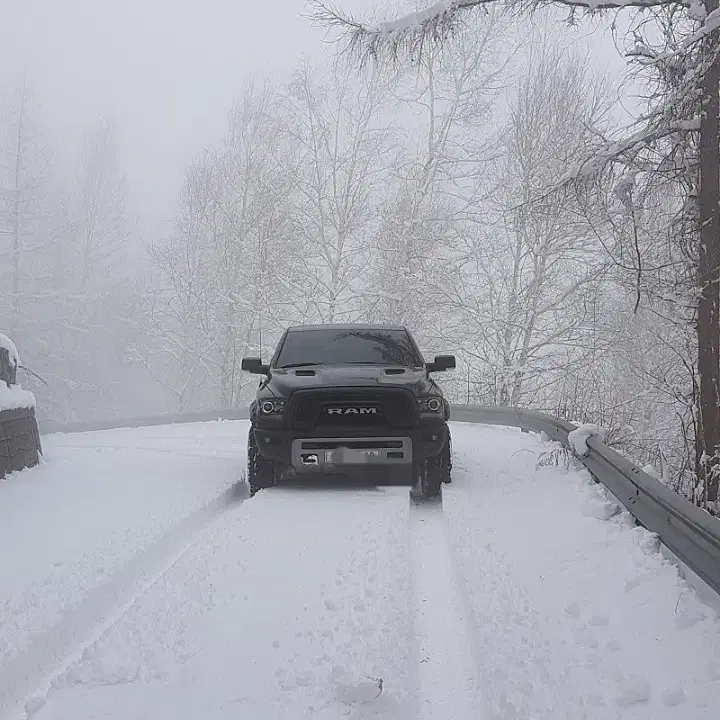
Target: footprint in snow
x=330 y=604
x=636 y=582
x=673 y=698
x=585 y=638
x=633 y=691
x=362 y=690
x=304 y=680
x=572 y=610
x=599 y=620
x=688 y=618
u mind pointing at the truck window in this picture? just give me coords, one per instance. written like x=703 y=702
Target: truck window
x=331 y=346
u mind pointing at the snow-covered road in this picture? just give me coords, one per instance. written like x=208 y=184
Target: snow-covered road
x=135 y=583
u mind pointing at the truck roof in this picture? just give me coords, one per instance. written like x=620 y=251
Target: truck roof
x=347 y=326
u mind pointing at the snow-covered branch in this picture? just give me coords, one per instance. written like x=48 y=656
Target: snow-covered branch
x=408 y=34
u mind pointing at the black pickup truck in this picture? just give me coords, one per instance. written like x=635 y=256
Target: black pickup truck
x=353 y=400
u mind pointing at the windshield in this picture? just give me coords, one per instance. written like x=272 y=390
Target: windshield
x=330 y=346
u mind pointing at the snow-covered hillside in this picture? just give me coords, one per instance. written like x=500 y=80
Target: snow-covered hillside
x=155 y=590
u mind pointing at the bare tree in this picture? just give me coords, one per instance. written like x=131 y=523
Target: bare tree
x=441 y=186
x=686 y=104
x=24 y=170
x=101 y=221
x=340 y=169
x=525 y=285
x=220 y=271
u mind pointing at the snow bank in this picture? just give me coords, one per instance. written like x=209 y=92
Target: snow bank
x=7 y=344
x=578 y=438
x=15 y=398
x=570 y=599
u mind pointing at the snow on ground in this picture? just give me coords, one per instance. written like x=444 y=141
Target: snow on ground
x=526 y=594
x=584 y=616
x=101 y=506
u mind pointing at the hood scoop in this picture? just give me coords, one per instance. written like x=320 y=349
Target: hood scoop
x=305 y=373
x=394 y=371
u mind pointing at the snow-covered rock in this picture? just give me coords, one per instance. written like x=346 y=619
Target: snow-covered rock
x=15 y=398
x=578 y=438
x=7 y=344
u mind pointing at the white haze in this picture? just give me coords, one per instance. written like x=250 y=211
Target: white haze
x=165 y=70
x=109 y=336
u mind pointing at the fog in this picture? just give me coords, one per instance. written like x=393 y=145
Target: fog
x=162 y=218
x=165 y=70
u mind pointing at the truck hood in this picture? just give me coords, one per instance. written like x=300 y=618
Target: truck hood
x=283 y=382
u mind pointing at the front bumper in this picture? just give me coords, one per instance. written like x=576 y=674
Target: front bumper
x=334 y=452
x=337 y=454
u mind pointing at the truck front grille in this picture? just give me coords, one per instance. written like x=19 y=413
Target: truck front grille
x=352 y=408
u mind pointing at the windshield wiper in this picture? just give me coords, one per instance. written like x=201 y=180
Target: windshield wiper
x=296 y=365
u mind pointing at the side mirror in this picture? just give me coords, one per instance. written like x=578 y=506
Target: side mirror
x=442 y=362
x=255 y=366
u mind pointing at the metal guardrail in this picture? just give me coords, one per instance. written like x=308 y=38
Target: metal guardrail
x=51 y=426
x=686 y=530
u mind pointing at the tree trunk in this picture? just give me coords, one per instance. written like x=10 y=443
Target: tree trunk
x=15 y=312
x=708 y=317
x=17 y=244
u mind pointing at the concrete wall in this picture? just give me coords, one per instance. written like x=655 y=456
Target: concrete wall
x=19 y=440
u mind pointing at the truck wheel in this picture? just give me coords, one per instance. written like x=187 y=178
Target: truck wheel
x=428 y=482
x=438 y=467
x=262 y=472
x=443 y=462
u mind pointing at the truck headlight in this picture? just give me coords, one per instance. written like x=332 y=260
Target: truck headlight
x=430 y=404
x=272 y=407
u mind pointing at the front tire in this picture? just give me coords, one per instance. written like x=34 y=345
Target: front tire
x=435 y=471
x=262 y=472
x=442 y=463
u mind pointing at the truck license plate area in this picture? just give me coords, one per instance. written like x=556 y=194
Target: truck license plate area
x=348 y=455
x=328 y=453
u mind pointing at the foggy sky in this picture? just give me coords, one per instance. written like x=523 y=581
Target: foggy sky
x=165 y=70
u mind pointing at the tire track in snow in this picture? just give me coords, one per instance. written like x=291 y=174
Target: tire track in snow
x=27 y=677
x=445 y=656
